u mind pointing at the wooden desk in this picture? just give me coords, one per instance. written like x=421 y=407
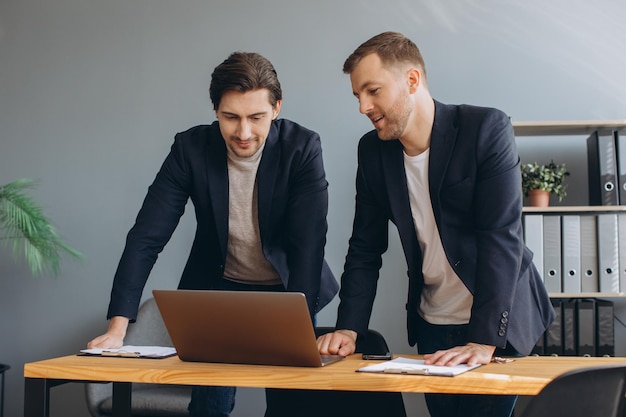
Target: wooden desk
x=524 y=376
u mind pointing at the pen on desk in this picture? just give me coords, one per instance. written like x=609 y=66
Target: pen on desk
x=123 y=354
x=405 y=371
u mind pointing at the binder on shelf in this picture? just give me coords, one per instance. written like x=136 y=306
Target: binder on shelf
x=588 y=253
x=570 y=244
x=553 y=336
x=533 y=237
x=586 y=327
x=620 y=149
x=552 y=253
x=602 y=169
x=621 y=236
x=569 y=328
x=605 y=335
x=608 y=253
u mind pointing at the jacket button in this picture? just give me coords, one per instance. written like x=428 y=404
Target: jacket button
x=501 y=333
x=505 y=313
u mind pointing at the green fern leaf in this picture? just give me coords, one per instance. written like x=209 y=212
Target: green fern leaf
x=28 y=232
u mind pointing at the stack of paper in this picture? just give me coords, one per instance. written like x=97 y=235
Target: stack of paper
x=416 y=367
x=133 y=352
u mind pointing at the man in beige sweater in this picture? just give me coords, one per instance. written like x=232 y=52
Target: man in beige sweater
x=260 y=195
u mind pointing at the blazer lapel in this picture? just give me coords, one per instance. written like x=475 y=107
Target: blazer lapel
x=266 y=178
x=442 y=139
x=217 y=180
x=395 y=181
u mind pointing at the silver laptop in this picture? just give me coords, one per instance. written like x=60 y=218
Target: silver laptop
x=246 y=327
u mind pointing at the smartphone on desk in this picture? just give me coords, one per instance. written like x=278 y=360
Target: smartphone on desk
x=372 y=357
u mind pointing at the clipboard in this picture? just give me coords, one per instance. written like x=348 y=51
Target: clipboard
x=405 y=366
x=128 y=351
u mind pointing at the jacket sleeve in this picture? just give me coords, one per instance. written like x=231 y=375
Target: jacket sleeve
x=368 y=242
x=497 y=229
x=156 y=221
x=305 y=225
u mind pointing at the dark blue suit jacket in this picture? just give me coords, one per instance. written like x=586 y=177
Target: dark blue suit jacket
x=292 y=199
x=475 y=189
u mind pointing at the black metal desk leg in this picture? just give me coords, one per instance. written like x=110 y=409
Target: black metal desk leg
x=36 y=397
x=122 y=396
x=3 y=369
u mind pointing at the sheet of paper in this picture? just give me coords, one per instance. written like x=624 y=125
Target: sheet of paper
x=134 y=351
x=406 y=366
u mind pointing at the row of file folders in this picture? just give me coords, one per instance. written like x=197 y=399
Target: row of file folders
x=606 y=163
x=583 y=327
x=577 y=253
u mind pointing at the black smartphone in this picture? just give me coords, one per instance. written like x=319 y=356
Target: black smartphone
x=387 y=356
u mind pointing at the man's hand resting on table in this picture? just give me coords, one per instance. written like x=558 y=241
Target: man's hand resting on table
x=471 y=354
x=114 y=337
x=339 y=342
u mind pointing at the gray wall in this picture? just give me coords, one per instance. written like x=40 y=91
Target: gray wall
x=92 y=92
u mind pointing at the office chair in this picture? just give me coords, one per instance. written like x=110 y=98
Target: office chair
x=318 y=403
x=596 y=391
x=149 y=400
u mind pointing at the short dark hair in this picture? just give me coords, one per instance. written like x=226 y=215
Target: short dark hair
x=243 y=72
x=392 y=48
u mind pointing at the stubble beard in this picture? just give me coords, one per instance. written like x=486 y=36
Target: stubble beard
x=247 y=152
x=396 y=119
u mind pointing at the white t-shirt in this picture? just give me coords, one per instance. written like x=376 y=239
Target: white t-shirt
x=445 y=299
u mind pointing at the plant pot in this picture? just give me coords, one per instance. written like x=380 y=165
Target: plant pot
x=539 y=198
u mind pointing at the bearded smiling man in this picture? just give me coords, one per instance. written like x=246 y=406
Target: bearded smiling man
x=448 y=177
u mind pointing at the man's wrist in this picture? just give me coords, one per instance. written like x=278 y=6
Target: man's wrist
x=118 y=325
x=350 y=333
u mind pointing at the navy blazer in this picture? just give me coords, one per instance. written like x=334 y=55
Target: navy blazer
x=476 y=195
x=292 y=200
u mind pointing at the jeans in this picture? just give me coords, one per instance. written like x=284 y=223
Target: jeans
x=437 y=337
x=220 y=401
x=212 y=401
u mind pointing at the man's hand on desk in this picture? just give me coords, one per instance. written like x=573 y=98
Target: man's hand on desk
x=114 y=337
x=471 y=354
x=339 y=342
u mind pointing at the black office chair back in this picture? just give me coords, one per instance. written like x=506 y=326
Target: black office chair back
x=589 y=392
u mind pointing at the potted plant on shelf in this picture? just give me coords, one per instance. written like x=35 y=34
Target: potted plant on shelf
x=539 y=181
x=24 y=227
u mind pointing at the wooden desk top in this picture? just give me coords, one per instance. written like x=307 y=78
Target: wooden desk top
x=524 y=376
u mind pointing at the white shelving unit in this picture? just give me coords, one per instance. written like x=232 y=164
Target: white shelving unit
x=572 y=128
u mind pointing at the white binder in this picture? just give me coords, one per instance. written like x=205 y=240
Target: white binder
x=552 y=274
x=621 y=236
x=588 y=253
x=533 y=237
x=608 y=253
x=570 y=225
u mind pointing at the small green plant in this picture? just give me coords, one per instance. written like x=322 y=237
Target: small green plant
x=548 y=177
x=24 y=227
